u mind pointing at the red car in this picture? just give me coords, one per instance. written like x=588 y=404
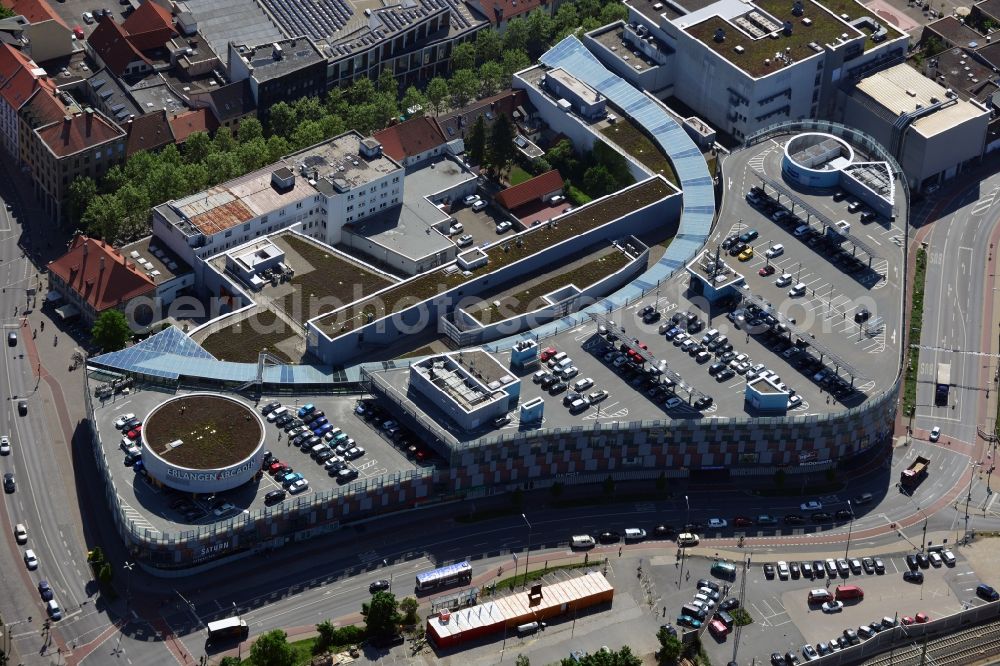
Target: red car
x=922 y=617
x=765 y=271
x=78 y=33
x=277 y=467
x=548 y=353
x=742 y=521
x=135 y=432
x=906 y=620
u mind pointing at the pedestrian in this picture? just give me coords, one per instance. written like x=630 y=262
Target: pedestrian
x=687 y=575
x=619 y=551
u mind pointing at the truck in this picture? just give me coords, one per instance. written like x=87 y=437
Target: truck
x=911 y=477
x=942 y=384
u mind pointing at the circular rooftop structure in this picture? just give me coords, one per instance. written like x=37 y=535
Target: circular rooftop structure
x=203 y=443
x=815 y=159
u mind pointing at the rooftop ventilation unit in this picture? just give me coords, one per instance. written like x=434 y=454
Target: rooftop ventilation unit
x=797 y=8
x=739 y=49
x=720 y=35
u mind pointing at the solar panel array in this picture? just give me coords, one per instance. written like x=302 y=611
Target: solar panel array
x=698 y=189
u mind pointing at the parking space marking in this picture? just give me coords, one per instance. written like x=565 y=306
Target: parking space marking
x=136 y=517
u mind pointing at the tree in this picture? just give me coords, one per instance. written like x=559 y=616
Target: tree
x=381 y=614
x=567 y=18
x=81 y=191
x=413 y=98
x=605 y=657
x=463 y=56
x=387 y=84
x=491 y=78
x=515 y=36
x=281 y=120
x=598 y=181
x=361 y=91
x=514 y=60
x=197 y=148
x=522 y=660
x=327 y=633
x=408 y=606
x=307 y=133
x=670 y=647
x=541 y=27
x=475 y=144
x=437 y=91
x=249 y=130
x=489 y=44
x=103 y=217
x=230 y=661
x=111 y=331
x=463 y=86
x=223 y=142
x=501 y=146
x=614 y=162
x=272 y=649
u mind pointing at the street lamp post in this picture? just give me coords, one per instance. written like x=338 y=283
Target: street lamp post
x=527 y=552
x=128 y=586
x=239 y=648
x=385 y=562
x=849 y=529
x=687 y=522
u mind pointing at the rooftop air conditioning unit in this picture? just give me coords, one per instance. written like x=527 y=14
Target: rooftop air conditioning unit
x=739 y=49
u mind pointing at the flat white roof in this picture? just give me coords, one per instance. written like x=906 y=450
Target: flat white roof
x=901 y=89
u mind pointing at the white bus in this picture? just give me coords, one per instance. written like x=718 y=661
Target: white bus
x=459 y=573
x=228 y=629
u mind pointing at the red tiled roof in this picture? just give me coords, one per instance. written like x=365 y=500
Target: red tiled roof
x=186 y=124
x=111 y=44
x=410 y=138
x=149 y=17
x=43 y=108
x=149 y=27
x=36 y=11
x=11 y=60
x=148 y=132
x=501 y=10
x=102 y=276
x=75 y=133
x=529 y=190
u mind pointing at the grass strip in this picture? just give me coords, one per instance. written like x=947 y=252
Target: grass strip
x=522 y=579
x=916 y=326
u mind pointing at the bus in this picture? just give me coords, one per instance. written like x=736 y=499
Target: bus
x=942 y=384
x=228 y=629
x=459 y=573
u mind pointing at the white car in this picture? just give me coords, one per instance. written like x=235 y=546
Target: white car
x=801 y=230
x=20 y=533
x=581 y=385
x=794 y=401
x=123 y=419
x=479 y=205
x=88 y=18
x=717 y=523
x=224 y=509
x=30 y=560
x=797 y=290
x=133 y=450
x=4 y=446
x=503 y=226
x=783 y=280
x=811 y=505
x=299 y=486
x=597 y=396
x=783 y=569
x=471 y=199
x=935 y=436
x=775 y=250
x=833 y=606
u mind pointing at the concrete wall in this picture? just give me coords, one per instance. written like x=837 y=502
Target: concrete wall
x=421 y=315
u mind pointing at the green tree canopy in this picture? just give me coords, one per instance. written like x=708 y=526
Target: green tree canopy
x=501 y=144
x=408 y=607
x=81 y=191
x=514 y=60
x=249 y=130
x=603 y=657
x=381 y=614
x=489 y=44
x=111 y=331
x=463 y=56
x=670 y=648
x=272 y=649
x=437 y=92
x=281 y=120
x=463 y=86
x=491 y=78
x=412 y=98
x=475 y=144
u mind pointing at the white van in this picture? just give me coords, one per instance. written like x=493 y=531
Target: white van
x=557 y=358
x=634 y=534
x=564 y=363
x=277 y=414
x=582 y=541
x=529 y=628
x=797 y=290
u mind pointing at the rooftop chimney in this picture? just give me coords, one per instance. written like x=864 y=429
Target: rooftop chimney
x=90 y=119
x=102 y=263
x=85 y=249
